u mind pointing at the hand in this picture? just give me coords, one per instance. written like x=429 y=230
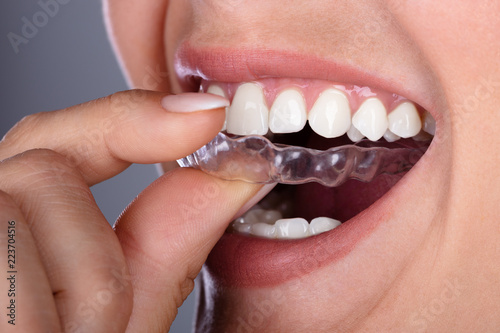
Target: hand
x=74 y=273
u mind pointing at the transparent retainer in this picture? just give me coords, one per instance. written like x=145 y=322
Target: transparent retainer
x=255 y=159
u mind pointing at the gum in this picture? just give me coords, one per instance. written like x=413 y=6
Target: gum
x=255 y=159
x=311 y=89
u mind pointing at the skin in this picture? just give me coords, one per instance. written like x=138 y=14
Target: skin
x=446 y=49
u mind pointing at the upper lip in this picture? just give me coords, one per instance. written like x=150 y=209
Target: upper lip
x=243 y=65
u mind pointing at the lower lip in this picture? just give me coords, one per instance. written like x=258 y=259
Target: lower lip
x=242 y=261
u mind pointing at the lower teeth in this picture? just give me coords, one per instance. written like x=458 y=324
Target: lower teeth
x=271 y=224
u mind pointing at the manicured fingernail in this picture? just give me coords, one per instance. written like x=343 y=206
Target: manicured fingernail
x=191 y=102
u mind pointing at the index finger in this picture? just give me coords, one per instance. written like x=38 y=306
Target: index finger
x=103 y=137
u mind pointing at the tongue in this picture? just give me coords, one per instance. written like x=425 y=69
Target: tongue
x=342 y=203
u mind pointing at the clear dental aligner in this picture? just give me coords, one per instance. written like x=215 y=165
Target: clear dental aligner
x=255 y=159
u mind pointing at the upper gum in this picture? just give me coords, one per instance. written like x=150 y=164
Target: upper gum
x=311 y=89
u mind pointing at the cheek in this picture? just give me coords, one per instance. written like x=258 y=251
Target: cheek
x=136 y=28
x=459 y=39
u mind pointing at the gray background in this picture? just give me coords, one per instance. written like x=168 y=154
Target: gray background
x=68 y=61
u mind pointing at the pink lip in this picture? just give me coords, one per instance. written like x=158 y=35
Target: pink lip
x=242 y=261
x=243 y=65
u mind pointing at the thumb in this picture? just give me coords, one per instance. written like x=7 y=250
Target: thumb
x=167 y=234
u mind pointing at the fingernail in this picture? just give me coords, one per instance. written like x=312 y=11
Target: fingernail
x=192 y=102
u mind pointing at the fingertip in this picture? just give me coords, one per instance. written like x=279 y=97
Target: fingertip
x=155 y=136
x=193 y=102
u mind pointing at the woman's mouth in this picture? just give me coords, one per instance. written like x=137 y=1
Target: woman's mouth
x=316 y=116
x=296 y=229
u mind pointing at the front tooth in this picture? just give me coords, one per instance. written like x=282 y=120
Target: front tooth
x=248 y=113
x=354 y=135
x=263 y=230
x=331 y=115
x=323 y=224
x=288 y=113
x=217 y=90
x=391 y=137
x=292 y=228
x=371 y=119
x=429 y=124
x=404 y=120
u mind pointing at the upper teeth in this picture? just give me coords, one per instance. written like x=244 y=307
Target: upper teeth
x=329 y=117
x=354 y=134
x=331 y=114
x=248 y=113
x=404 y=120
x=288 y=113
x=216 y=90
x=371 y=119
x=429 y=124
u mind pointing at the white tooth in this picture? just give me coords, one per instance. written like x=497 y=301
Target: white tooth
x=263 y=230
x=429 y=124
x=239 y=220
x=322 y=224
x=217 y=90
x=404 y=120
x=288 y=113
x=248 y=113
x=423 y=137
x=354 y=135
x=331 y=115
x=371 y=119
x=391 y=137
x=242 y=228
x=292 y=228
x=254 y=215
x=271 y=216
